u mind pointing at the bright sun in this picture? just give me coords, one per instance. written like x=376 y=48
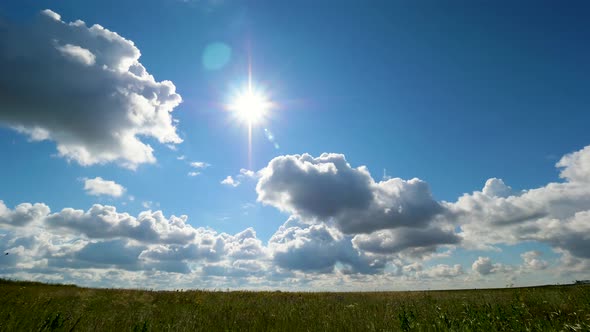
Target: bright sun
x=250 y=106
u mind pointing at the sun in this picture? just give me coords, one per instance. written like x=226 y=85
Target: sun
x=250 y=106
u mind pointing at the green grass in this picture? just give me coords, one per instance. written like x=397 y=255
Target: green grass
x=31 y=306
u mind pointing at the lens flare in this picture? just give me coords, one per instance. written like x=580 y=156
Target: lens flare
x=250 y=106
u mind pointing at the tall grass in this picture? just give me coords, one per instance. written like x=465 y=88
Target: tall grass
x=41 y=307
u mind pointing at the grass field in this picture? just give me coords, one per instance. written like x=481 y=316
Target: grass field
x=31 y=306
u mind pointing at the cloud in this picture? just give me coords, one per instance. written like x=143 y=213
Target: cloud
x=441 y=271
x=557 y=214
x=85 y=89
x=327 y=187
x=576 y=166
x=78 y=53
x=104 y=239
x=421 y=241
x=22 y=214
x=532 y=260
x=229 y=181
x=149 y=204
x=103 y=221
x=484 y=266
x=496 y=188
x=193 y=173
x=295 y=243
x=98 y=186
x=315 y=247
x=199 y=164
x=247 y=173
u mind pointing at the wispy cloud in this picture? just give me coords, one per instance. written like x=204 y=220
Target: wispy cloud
x=199 y=164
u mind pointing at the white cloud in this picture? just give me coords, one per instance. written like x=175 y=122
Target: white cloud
x=89 y=93
x=244 y=174
x=22 y=214
x=181 y=157
x=327 y=187
x=98 y=186
x=484 y=266
x=247 y=173
x=294 y=243
x=72 y=241
x=229 y=181
x=576 y=166
x=50 y=13
x=105 y=222
x=496 y=188
x=557 y=214
x=442 y=271
x=411 y=240
x=532 y=260
x=193 y=173
x=78 y=53
x=199 y=164
x=311 y=250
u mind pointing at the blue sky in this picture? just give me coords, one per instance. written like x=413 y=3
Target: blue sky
x=451 y=93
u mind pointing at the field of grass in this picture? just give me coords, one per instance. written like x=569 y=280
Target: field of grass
x=31 y=306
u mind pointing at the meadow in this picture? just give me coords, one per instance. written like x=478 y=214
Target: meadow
x=30 y=306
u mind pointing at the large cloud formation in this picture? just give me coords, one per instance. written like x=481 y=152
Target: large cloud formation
x=327 y=187
x=383 y=218
x=557 y=214
x=295 y=242
x=84 y=88
x=103 y=239
x=320 y=245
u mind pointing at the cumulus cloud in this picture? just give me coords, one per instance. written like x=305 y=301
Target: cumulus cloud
x=103 y=239
x=295 y=243
x=317 y=246
x=99 y=186
x=193 y=173
x=576 y=166
x=557 y=214
x=22 y=214
x=496 y=188
x=85 y=89
x=78 y=53
x=484 y=266
x=103 y=221
x=420 y=241
x=532 y=260
x=441 y=271
x=327 y=187
x=230 y=181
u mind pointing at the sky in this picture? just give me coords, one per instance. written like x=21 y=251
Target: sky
x=345 y=145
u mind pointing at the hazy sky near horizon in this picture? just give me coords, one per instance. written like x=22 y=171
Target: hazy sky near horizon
x=402 y=145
